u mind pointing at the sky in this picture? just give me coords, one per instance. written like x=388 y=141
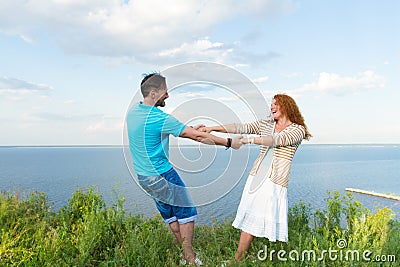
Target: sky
x=69 y=69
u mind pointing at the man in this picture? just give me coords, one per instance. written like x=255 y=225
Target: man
x=148 y=132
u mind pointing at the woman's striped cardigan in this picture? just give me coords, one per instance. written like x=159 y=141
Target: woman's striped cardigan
x=285 y=145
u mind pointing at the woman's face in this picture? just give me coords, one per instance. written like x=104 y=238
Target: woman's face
x=276 y=110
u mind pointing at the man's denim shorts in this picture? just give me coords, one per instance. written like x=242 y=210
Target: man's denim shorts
x=170 y=195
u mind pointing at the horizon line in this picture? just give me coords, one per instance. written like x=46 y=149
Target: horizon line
x=174 y=146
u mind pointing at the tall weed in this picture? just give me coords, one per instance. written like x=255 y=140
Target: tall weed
x=86 y=232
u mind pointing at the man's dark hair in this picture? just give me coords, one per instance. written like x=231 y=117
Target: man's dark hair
x=152 y=81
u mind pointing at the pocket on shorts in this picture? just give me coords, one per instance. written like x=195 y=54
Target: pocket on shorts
x=157 y=187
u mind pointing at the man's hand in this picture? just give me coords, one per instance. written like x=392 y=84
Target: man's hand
x=202 y=128
x=237 y=142
x=199 y=127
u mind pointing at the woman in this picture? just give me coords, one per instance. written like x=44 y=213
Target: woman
x=263 y=208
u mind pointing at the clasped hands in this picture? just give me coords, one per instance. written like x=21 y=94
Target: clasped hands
x=237 y=141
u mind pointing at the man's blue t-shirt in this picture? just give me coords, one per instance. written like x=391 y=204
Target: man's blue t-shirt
x=148 y=132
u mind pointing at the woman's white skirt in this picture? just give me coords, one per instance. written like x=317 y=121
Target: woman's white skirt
x=263 y=212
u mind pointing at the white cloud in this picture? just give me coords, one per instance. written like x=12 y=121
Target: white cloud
x=206 y=50
x=261 y=79
x=191 y=95
x=234 y=99
x=27 y=39
x=70 y=101
x=31 y=118
x=292 y=75
x=204 y=47
x=336 y=84
x=106 y=125
x=10 y=85
x=137 y=29
x=54 y=117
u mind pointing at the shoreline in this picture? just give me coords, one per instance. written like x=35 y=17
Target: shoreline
x=196 y=146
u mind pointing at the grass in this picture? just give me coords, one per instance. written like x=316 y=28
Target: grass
x=87 y=232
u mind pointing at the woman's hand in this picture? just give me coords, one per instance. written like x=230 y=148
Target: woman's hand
x=265 y=140
x=248 y=140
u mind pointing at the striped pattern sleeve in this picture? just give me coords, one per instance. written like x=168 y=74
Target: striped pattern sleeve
x=293 y=135
x=248 y=128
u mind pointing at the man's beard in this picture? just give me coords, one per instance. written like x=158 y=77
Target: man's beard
x=160 y=103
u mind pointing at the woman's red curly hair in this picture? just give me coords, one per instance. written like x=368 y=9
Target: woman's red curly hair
x=289 y=107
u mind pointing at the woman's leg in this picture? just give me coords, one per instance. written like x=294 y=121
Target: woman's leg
x=244 y=245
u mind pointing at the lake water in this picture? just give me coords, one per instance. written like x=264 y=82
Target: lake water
x=59 y=171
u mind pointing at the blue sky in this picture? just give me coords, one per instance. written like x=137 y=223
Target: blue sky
x=69 y=68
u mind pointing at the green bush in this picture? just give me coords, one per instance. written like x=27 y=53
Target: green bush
x=88 y=233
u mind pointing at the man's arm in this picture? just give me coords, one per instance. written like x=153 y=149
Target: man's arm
x=209 y=139
x=227 y=128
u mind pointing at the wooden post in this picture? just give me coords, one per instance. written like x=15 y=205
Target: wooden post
x=360 y=191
